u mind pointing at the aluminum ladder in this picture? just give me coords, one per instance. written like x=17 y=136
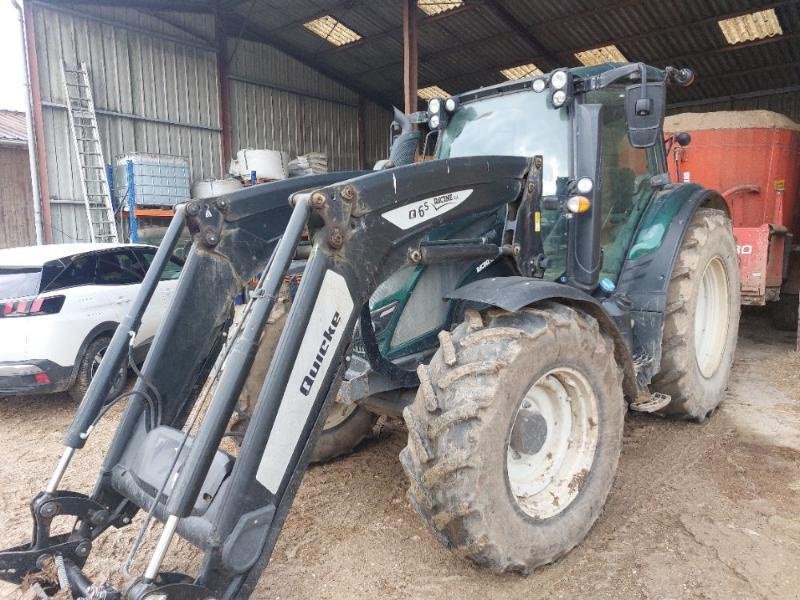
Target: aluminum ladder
x=89 y=152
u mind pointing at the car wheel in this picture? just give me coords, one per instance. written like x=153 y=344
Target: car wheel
x=89 y=363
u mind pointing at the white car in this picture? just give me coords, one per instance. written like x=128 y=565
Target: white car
x=60 y=305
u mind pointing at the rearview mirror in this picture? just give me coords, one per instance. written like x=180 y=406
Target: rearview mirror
x=644 y=110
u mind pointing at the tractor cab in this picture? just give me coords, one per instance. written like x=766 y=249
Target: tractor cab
x=598 y=131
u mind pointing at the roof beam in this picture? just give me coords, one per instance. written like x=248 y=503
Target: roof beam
x=683 y=58
x=187 y=6
x=757 y=94
x=249 y=31
x=677 y=28
x=439 y=52
x=421 y=22
x=527 y=36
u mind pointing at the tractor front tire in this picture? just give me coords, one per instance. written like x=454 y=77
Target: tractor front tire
x=702 y=319
x=515 y=435
x=346 y=425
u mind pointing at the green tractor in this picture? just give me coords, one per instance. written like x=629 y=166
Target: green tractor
x=511 y=296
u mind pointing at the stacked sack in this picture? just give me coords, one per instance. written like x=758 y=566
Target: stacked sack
x=312 y=163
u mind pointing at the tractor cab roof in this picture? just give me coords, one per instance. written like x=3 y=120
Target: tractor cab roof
x=578 y=73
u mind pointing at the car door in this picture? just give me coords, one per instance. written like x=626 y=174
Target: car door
x=118 y=277
x=86 y=305
x=164 y=291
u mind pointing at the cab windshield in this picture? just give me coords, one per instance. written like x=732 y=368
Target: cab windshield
x=514 y=124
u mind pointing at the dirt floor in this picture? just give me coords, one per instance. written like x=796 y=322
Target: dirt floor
x=697 y=511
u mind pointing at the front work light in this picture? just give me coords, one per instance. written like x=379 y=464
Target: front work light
x=434 y=106
x=539 y=84
x=561 y=88
x=584 y=185
x=433 y=122
x=578 y=204
x=450 y=105
x=559 y=79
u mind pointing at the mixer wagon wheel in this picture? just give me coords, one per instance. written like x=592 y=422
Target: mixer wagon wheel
x=702 y=319
x=783 y=313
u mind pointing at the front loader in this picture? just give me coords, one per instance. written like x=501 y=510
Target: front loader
x=588 y=283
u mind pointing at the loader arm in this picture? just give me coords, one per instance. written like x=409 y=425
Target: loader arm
x=364 y=228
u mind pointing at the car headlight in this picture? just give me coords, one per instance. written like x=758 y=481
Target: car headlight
x=433 y=122
x=450 y=105
x=539 y=84
x=434 y=106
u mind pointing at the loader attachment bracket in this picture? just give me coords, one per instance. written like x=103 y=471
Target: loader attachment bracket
x=91 y=519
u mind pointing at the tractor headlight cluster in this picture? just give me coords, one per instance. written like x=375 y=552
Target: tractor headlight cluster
x=584 y=185
x=561 y=86
x=578 y=204
x=439 y=110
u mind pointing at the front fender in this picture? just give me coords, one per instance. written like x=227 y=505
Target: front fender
x=647 y=269
x=515 y=293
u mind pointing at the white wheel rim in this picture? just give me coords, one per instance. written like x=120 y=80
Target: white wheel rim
x=548 y=460
x=711 y=317
x=338 y=415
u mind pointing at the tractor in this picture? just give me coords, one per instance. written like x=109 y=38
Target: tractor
x=511 y=295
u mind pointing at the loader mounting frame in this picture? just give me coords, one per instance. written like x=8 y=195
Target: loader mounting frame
x=364 y=228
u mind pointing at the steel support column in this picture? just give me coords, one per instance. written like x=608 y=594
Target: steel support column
x=223 y=64
x=410 y=55
x=38 y=123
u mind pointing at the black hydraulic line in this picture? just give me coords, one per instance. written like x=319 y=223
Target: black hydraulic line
x=117 y=351
x=238 y=363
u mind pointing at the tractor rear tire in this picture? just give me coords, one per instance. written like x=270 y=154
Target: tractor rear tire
x=346 y=426
x=702 y=319
x=515 y=435
x=783 y=313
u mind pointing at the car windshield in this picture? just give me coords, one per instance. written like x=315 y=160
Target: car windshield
x=19 y=282
x=516 y=124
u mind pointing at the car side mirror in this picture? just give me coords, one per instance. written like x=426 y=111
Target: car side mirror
x=683 y=138
x=645 y=104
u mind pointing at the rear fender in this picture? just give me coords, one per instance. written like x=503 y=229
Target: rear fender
x=650 y=260
x=515 y=293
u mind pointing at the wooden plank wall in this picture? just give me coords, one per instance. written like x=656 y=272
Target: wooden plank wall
x=16 y=210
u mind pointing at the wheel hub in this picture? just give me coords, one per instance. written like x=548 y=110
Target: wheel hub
x=551 y=446
x=529 y=432
x=711 y=318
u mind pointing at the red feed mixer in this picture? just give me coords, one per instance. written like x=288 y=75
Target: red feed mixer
x=753 y=159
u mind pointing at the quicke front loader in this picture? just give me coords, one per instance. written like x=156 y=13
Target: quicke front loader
x=589 y=283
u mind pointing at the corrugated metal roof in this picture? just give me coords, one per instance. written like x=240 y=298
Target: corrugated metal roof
x=466 y=47
x=12 y=126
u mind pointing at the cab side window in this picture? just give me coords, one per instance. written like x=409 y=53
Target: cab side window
x=118 y=267
x=625 y=175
